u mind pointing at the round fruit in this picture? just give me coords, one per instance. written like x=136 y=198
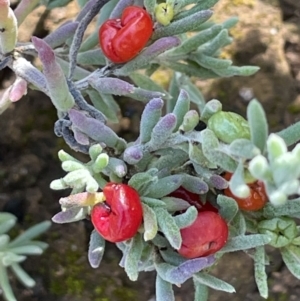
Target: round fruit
x=120 y=216
x=207 y=235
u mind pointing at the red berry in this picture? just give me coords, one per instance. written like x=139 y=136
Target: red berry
x=255 y=201
x=122 y=39
x=120 y=216
x=207 y=235
x=193 y=199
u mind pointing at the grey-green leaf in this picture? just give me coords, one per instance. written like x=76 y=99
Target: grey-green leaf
x=169 y=227
x=96 y=249
x=258 y=124
x=213 y=282
x=244 y=242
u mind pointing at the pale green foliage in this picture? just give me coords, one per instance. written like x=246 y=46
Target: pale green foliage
x=13 y=252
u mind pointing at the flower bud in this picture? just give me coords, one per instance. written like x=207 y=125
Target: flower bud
x=8 y=28
x=164 y=13
x=281 y=230
x=229 y=126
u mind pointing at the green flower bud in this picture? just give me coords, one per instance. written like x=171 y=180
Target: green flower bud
x=282 y=231
x=164 y=13
x=229 y=126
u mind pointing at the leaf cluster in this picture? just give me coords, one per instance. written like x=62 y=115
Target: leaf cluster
x=14 y=252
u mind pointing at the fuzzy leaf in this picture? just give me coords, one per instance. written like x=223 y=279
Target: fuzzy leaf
x=70 y=215
x=162 y=130
x=258 y=124
x=182 y=106
x=244 y=242
x=27 y=250
x=91 y=57
x=5 y=285
x=61 y=34
x=197 y=40
x=173 y=204
x=190 y=23
x=164 y=186
x=9 y=258
x=187 y=218
x=210 y=149
x=195 y=184
x=106 y=104
x=169 y=227
x=4 y=240
x=30 y=233
x=147 y=55
x=133 y=257
x=150 y=117
x=291 y=134
x=229 y=207
x=178 y=275
x=7 y=221
x=243 y=148
x=239 y=223
x=145 y=82
x=201 y=291
x=213 y=282
x=288 y=209
x=291 y=257
x=153 y=202
x=142 y=179
x=163 y=290
x=23 y=277
x=96 y=249
x=150 y=223
x=260 y=271
x=237 y=183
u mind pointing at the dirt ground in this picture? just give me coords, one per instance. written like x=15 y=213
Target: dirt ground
x=268 y=35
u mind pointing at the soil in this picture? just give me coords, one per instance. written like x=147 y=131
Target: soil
x=268 y=35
